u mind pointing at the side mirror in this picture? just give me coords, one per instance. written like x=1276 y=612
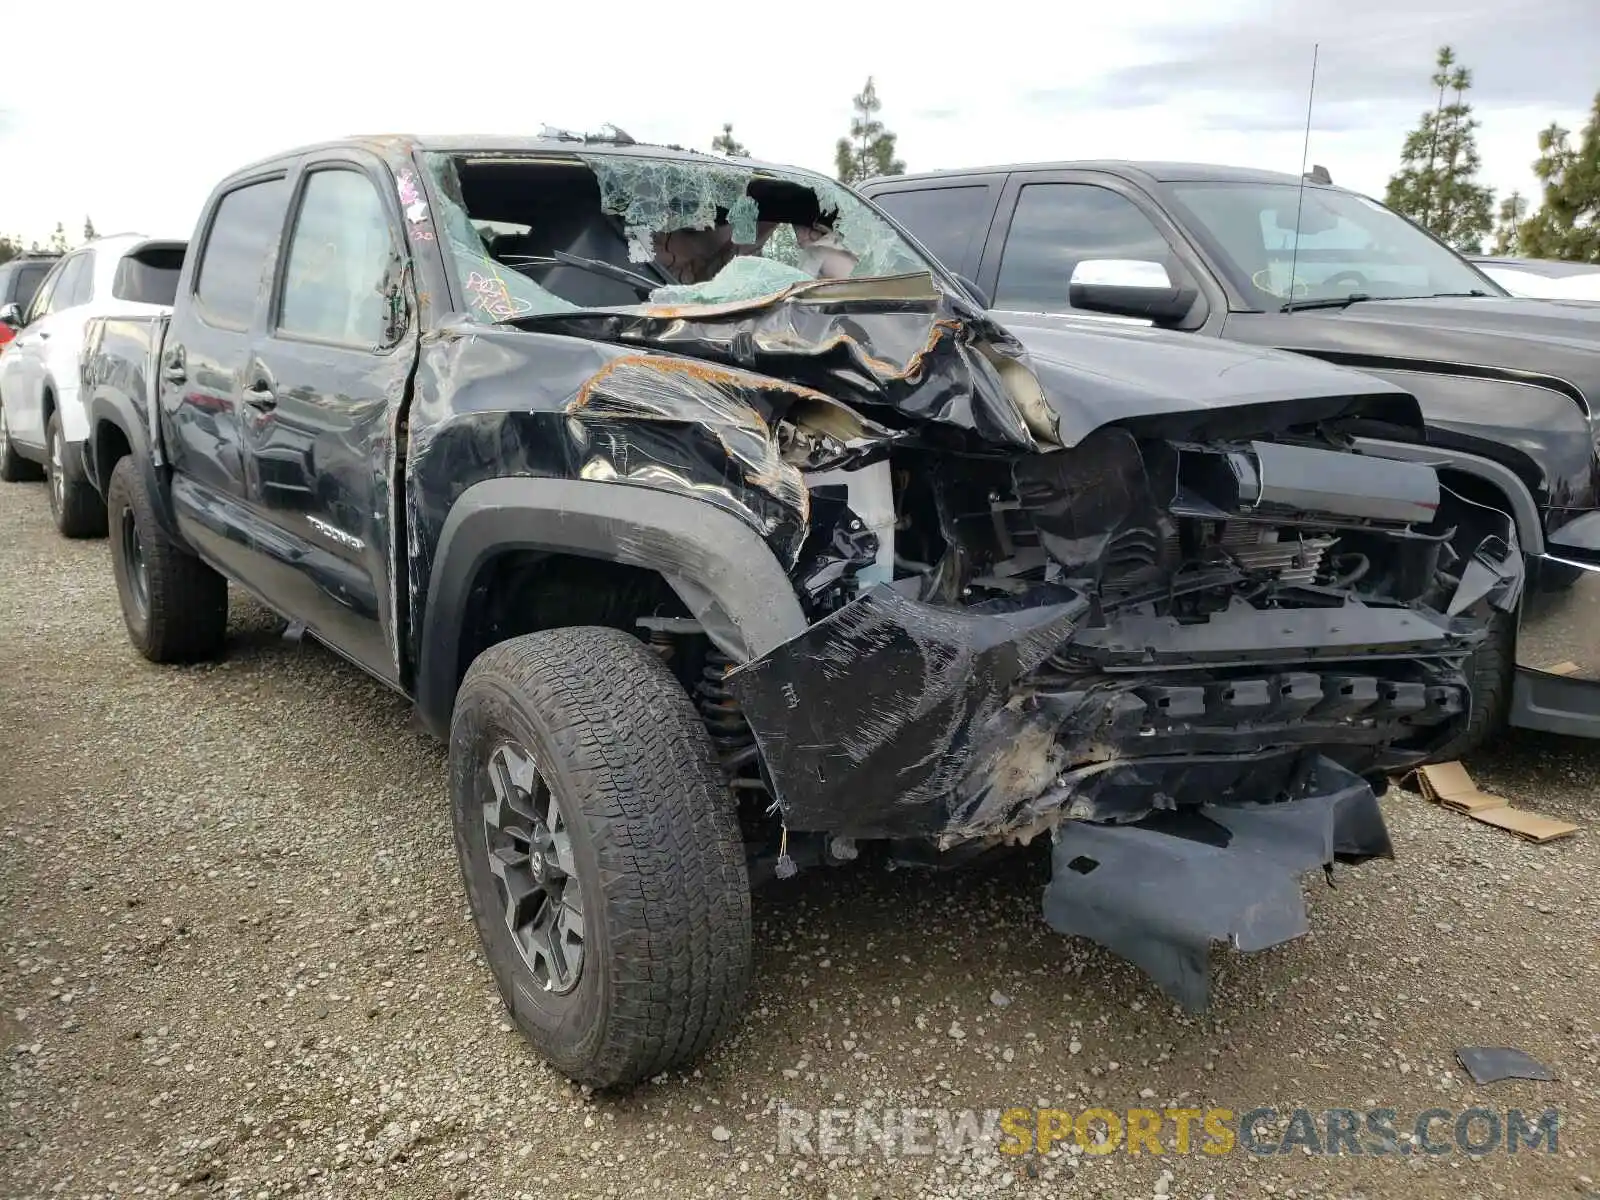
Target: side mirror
x=979 y=296
x=11 y=315
x=1129 y=287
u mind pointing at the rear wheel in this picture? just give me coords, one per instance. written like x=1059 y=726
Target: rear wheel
x=175 y=607
x=600 y=852
x=13 y=467
x=76 y=506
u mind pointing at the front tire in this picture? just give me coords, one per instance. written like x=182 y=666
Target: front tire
x=74 y=504
x=600 y=852
x=13 y=467
x=1489 y=670
x=174 y=605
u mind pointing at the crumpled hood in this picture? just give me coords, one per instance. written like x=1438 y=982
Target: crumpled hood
x=1555 y=338
x=901 y=345
x=1097 y=373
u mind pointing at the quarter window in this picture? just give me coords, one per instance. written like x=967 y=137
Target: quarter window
x=340 y=256
x=1058 y=225
x=243 y=233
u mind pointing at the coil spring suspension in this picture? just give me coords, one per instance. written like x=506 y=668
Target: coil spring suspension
x=730 y=732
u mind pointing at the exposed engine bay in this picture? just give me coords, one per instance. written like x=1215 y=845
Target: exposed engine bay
x=1085 y=628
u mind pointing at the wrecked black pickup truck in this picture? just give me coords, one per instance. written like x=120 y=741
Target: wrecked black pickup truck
x=724 y=538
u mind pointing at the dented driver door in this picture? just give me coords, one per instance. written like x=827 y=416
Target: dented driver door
x=336 y=354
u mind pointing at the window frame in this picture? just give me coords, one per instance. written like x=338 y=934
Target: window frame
x=1213 y=305
x=384 y=190
x=1068 y=193
x=44 y=294
x=983 y=222
x=203 y=314
x=83 y=285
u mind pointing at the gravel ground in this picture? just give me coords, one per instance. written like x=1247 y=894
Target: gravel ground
x=236 y=961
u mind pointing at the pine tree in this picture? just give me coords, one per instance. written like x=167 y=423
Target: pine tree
x=726 y=143
x=58 y=239
x=1513 y=211
x=869 y=150
x=1567 y=224
x=1436 y=185
x=88 y=229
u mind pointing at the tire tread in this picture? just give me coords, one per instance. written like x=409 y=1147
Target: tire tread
x=677 y=898
x=188 y=617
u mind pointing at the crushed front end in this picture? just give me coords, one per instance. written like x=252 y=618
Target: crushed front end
x=1183 y=660
x=1135 y=592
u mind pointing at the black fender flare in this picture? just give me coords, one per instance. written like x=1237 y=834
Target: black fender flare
x=110 y=409
x=720 y=567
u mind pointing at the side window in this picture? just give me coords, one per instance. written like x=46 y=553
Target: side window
x=77 y=282
x=1058 y=225
x=149 y=275
x=29 y=277
x=340 y=254
x=949 y=221
x=42 y=298
x=243 y=232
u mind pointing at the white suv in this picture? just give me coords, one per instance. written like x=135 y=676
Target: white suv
x=42 y=420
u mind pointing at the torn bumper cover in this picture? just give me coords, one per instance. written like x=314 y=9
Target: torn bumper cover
x=1188 y=772
x=1160 y=891
x=897 y=718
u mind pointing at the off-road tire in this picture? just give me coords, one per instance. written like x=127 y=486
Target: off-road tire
x=659 y=860
x=184 y=616
x=1489 y=669
x=13 y=467
x=74 y=504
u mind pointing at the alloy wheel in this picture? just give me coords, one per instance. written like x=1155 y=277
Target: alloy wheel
x=530 y=857
x=58 y=483
x=133 y=561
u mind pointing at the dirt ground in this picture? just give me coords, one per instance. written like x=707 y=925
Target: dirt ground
x=235 y=960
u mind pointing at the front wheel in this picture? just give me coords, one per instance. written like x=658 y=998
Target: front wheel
x=74 y=504
x=1489 y=669
x=600 y=852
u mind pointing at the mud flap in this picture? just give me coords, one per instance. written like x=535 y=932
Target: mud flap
x=1160 y=890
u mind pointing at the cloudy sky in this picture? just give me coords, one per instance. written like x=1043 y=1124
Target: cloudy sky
x=149 y=104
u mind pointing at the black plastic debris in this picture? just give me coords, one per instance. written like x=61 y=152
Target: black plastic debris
x=1161 y=890
x=1490 y=1064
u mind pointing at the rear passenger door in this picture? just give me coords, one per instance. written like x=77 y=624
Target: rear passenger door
x=324 y=382
x=220 y=309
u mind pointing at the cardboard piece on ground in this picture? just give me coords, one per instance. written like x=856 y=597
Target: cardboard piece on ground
x=1450 y=785
x=1563 y=668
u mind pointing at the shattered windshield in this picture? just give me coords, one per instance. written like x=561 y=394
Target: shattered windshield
x=529 y=236
x=1348 y=245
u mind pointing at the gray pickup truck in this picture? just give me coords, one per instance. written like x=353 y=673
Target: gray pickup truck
x=723 y=538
